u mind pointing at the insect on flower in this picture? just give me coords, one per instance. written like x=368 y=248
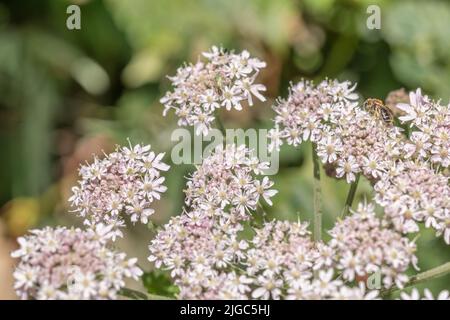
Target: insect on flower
x=378 y=109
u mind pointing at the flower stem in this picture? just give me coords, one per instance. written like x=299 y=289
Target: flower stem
x=137 y=295
x=220 y=123
x=350 y=196
x=422 y=277
x=317 y=232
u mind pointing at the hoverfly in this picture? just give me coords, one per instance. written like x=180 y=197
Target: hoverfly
x=379 y=110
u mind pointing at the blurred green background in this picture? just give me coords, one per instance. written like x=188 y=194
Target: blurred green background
x=66 y=94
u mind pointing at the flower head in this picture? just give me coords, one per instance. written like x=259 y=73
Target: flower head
x=66 y=263
x=225 y=80
x=364 y=244
x=123 y=183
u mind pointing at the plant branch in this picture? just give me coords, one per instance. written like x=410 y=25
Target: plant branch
x=317 y=232
x=220 y=123
x=422 y=277
x=350 y=196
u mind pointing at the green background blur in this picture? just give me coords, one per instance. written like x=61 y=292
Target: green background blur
x=66 y=94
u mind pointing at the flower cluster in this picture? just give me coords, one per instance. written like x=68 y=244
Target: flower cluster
x=71 y=263
x=430 y=123
x=304 y=114
x=198 y=250
x=362 y=245
x=124 y=182
x=226 y=79
x=210 y=255
x=351 y=140
x=348 y=139
x=278 y=262
x=282 y=260
x=227 y=180
x=413 y=192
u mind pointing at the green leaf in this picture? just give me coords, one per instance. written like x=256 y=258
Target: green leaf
x=159 y=283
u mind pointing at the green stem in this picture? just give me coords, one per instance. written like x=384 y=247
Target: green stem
x=137 y=295
x=422 y=277
x=317 y=232
x=220 y=123
x=350 y=196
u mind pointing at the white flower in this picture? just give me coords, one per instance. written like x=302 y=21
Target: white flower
x=25 y=277
x=350 y=264
x=231 y=98
x=263 y=189
x=269 y=288
x=328 y=148
x=250 y=89
x=85 y=284
x=415 y=110
x=347 y=168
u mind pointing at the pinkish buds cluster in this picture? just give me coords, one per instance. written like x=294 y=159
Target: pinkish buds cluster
x=348 y=139
x=226 y=79
x=430 y=129
x=208 y=261
x=227 y=180
x=123 y=183
x=363 y=244
x=412 y=193
x=66 y=263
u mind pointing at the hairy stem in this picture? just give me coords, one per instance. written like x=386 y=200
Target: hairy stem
x=422 y=277
x=137 y=295
x=317 y=232
x=350 y=196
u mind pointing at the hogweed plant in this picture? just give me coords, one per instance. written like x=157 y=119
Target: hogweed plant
x=222 y=246
x=225 y=80
x=123 y=183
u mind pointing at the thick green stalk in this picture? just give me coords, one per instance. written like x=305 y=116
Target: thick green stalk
x=350 y=196
x=220 y=123
x=422 y=277
x=317 y=232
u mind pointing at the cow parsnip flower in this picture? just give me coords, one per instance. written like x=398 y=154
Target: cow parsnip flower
x=123 y=183
x=61 y=263
x=225 y=80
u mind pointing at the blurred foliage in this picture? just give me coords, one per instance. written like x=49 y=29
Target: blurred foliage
x=68 y=94
x=159 y=283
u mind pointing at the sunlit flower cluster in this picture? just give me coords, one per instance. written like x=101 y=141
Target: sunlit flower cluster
x=211 y=255
x=308 y=108
x=430 y=128
x=412 y=193
x=363 y=244
x=225 y=80
x=278 y=262
x=348 y=139
x=282 y=260
x=63 y=263
x=123 y=183
x=198 y=250
x=228 y=180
